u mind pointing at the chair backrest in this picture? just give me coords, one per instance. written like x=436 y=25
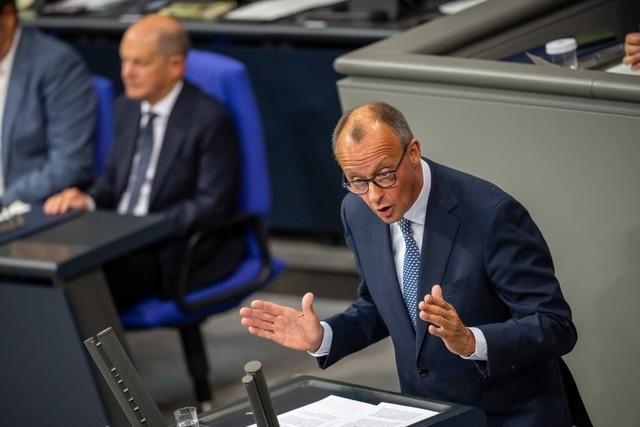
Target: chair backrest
x=228 y=80
x=103 y=133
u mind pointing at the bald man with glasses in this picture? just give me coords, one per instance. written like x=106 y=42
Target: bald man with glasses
x=453 y=269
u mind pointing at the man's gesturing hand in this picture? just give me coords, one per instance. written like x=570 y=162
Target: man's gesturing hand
x=446 y=324
x=299 y=330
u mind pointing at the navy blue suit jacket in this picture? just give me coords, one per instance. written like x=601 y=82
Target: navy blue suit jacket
x=48 y=121
x=195 y=183
x=196 y=178
x=494 y=266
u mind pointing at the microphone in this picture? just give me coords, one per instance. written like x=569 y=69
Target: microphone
x=259 y=396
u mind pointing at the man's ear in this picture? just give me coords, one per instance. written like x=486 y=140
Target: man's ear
x=178 y=65
x=415 y=150
x=9 y=15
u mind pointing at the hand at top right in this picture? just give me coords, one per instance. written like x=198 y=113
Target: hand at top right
x=632 y=50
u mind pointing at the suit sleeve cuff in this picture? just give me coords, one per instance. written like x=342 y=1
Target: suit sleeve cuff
x=325 y=347
x=481 y=346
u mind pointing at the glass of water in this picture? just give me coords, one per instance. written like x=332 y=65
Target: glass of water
x=186 y=417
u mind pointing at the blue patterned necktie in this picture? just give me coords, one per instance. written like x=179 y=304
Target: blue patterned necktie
x=410 y=270
x=145 y=148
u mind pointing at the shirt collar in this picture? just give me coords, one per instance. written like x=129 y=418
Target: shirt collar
x=418 y=211
x=7 y=62
x=163 y=107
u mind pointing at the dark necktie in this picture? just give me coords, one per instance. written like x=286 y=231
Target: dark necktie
x=410 y=270
x=145 y=148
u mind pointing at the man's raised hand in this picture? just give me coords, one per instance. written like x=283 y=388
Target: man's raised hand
x=298 y=330
x=446 y=324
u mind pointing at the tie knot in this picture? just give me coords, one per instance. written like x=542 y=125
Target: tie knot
x=150 y=117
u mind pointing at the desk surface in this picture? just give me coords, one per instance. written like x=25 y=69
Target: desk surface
x=80 y=244
x=306 y=389
x=69 y=255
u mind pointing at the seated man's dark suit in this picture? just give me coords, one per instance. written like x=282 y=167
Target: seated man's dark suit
x=48 y=121
x=195 y=184
x=495 y=269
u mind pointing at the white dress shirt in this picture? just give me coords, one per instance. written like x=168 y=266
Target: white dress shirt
x=162 y=109
x=6 y=65
x=417 y=215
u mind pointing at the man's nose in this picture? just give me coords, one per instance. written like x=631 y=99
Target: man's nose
x=375 y=193
x=126 y=70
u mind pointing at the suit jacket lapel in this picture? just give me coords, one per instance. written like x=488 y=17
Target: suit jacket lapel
x=129 y=136
x=172 y=142
x=441 y=228
x=18 y=80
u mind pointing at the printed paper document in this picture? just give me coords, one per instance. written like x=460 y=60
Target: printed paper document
x=623 y=69
x=334 y=411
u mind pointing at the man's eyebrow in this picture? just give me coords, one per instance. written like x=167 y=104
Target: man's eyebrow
x=377 y=170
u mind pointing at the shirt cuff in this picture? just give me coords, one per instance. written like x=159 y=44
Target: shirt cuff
x=325 y=347
x=90 y=203
x=481 y=346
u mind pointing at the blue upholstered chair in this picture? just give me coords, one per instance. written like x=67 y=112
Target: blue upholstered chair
x=228 y=81
x=104 y=124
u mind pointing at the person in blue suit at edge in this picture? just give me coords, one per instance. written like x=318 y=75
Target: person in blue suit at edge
x=452 y=268
x=47 y=113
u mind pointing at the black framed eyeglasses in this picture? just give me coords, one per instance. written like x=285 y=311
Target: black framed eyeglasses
x=384 y=179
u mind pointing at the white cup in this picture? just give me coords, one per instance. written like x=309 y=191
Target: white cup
x=562 y=52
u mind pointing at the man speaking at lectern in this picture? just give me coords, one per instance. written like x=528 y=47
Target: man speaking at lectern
x=452 y=268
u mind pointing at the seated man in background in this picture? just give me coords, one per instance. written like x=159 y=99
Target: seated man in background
x=175 y=153
x=47 y=113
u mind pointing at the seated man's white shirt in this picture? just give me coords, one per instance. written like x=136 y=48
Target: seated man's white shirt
x=162 y=109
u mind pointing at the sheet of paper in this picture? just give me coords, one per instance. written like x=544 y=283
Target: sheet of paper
x=197 y=11
x=324 y=413
x=623 y=69
x=334 y=411
x=270 y=10
x=456 y=6
x=390 y=415
x=91 y=5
